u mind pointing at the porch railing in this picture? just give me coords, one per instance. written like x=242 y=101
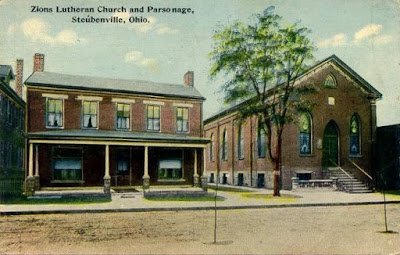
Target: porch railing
x=314 y=183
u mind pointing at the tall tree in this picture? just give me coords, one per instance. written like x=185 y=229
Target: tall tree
x=262 y=62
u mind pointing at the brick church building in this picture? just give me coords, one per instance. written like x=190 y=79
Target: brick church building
x=340 y=131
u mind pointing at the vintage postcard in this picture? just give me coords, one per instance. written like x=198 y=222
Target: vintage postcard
x=199 y=127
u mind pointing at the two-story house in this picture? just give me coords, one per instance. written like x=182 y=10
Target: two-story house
x=339 y=134
x=12 y=142
x=90 y=131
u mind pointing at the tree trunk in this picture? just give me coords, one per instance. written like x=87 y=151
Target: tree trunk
x=277 y=164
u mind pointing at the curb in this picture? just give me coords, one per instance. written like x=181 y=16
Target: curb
x=196 y=208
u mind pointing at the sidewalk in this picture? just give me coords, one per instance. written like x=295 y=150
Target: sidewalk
x=134 y=202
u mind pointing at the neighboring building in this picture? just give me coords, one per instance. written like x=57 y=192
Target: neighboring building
x=340 y=128
x=86 y=131
x=12 y=142
x=388 y=151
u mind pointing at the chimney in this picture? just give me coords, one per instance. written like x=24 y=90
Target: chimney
x=188 y=79
x=38 y=62
x=18 y=77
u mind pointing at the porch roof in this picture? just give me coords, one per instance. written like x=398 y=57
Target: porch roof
x=110 y=135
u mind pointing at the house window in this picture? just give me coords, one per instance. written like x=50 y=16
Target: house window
x=211 y=148
x=305 y=134
x=90 y=114
x=354 y=135
x=9 y=112
x=54 y=112
x=240 y=143
x=123 y=116
x=170 y=169
x=1 y=153
x=330 y=81
x=122 y=167
x=182 y=119
x=153 y=117
x=224 y=146
x=261 y=147
x=67 y=164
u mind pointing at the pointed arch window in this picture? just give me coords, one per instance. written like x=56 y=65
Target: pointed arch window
x=240 y=142
x=211 y=148
x=224 y=146
x=330 y=81
x=355 y=135
x=305 y=134
x=261 y=146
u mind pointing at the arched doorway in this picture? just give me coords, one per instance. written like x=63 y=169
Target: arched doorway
x=330 y=145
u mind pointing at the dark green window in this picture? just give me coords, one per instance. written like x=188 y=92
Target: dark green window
x=67 y=164
x=261 y=146
x=240 y=143
x=170 y=169
x=211 y=148
x=224 y=146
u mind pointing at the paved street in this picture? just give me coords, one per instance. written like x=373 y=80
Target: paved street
x=327 y=230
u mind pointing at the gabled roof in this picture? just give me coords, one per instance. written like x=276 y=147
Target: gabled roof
x=56 y=80
x=6 y=70
x=374 y=93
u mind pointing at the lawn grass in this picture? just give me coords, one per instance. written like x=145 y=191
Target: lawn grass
x=270 y=197
x=391 y=193
x=62 y=200
x=184 y=199
x=231 y=189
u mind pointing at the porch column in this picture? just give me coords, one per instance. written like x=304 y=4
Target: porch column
x=30 y=180
x=107 y=177
x=146 y=177
x=204 y=177
x=195 y=174
x=37 y=178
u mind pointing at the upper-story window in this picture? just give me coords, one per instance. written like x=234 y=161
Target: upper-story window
x=240 y=153
x=354 y=135
x=182 y=119
x=305 y=134
x=330 y=81
x=153 y=117
x=90 y=109
x=54 y=113
x=123 y=116
x=211 y=148
x=224 y=146
x=261 y=146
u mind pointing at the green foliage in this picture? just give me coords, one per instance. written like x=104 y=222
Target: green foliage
x=262 y=62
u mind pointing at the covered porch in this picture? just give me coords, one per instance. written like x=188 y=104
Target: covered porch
x=114 y=162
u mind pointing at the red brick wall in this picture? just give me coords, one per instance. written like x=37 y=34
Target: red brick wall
x=107 y=113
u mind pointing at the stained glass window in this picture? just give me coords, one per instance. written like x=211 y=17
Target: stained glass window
x=261 y=146
x=240 y=143
x=305 y=134
x=354 y=135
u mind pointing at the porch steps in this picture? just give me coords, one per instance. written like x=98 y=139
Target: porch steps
x=348 y=181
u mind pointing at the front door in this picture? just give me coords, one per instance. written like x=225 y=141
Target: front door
x=330 y=146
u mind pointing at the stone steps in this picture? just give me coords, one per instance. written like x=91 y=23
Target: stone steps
x=349 y=182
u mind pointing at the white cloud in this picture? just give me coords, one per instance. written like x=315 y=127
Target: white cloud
x=335 y=41
x=139 y=59
x=37 y=29
x=366 y=32
x=146 y=27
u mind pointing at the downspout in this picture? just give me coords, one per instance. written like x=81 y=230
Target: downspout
x=251 y=152
x=233 y=152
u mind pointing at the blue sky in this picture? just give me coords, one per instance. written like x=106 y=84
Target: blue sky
x=365 y=34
